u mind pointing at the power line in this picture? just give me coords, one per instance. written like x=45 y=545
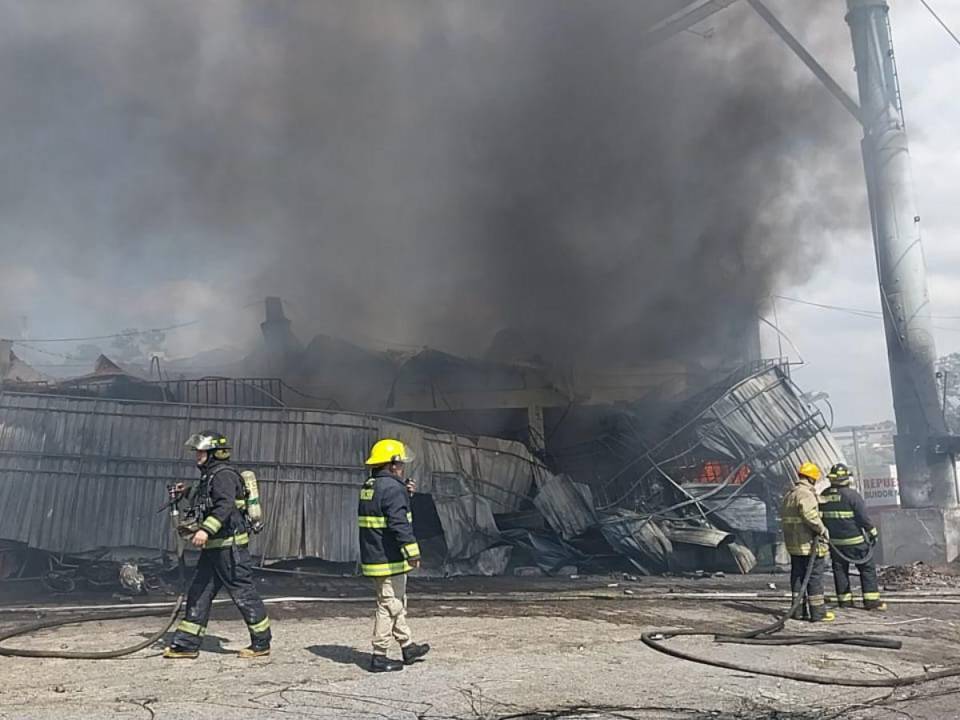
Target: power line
x=45 y=352
x=940 y=20
x=123 y=333
x=857 y=311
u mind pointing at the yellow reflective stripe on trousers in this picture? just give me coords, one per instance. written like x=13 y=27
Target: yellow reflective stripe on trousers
x=191 y=628
x=837 y=514
x=261 y=626
x=411 y=550
x=871 y=596
x=241 y=539
x=372 y=521
x=847 y=541
x=385 y=569
x=844 y=597
x=211 y=525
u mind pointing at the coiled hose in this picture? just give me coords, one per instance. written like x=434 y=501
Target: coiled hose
x=656 y=641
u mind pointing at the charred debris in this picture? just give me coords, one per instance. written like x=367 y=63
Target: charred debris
x=522 y=468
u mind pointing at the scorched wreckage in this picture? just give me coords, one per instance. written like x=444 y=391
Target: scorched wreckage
x=686 y=475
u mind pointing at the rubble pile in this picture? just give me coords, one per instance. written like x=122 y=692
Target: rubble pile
x=915 y=576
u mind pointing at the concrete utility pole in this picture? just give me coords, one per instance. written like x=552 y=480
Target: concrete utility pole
x=927 y=478
x=928 y=525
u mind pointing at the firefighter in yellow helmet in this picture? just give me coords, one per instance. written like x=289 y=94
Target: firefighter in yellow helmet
x=388 y=551
x=805 y=536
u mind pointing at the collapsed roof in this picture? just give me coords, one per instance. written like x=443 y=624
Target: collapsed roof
x=80 y=474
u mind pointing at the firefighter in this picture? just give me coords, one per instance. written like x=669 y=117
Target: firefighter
x=388 y=551
x=805 y=536
x=852 y=533
x=217 y=505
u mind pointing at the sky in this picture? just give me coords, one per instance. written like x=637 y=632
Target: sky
x=106 y=283
x=845 y=355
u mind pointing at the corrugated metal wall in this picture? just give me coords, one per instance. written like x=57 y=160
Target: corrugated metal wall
x=77 y=474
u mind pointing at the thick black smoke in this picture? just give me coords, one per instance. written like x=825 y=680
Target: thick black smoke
x=425 y=171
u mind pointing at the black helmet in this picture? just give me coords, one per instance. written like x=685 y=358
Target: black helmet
x=839 y=472
x=211 y=441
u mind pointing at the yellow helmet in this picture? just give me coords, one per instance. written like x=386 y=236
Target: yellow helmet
x=388 y=451
x=810 y=471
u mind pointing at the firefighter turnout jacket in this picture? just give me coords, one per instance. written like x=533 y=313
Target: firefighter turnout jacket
x=844 y=513
x=218 y=502
x=387 y=542
x=800 y=517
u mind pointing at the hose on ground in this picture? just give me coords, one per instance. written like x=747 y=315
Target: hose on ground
x=88 y=654
x=99 y=617
x=656 y=641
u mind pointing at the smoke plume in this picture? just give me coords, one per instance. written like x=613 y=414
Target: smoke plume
x=418 y=171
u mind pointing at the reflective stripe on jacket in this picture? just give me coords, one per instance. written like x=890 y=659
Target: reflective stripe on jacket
x=844 y=513
x=800 y=519
x=220 y=498
x=387 y=541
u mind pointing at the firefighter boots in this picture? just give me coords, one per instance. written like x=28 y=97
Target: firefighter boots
x=820 y=614
x=255 y=651
x=413 y=652
x=381 y=663
x=800 y=612
x=176 y=652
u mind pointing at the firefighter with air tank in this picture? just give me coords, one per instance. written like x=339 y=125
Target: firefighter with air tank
x=219 y=527
x=806 y=536
x=852 y=538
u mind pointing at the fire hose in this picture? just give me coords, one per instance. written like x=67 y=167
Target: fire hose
x=763 y=636
x=99 y=617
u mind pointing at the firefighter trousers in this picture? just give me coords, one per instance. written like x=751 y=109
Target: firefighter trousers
x=869 y=586
x=230 y=568
x=813 y=600
x=390 y=622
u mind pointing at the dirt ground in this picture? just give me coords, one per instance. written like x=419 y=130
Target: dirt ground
x=502 y=648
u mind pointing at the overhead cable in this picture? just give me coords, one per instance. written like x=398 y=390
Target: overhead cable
x=936 y=17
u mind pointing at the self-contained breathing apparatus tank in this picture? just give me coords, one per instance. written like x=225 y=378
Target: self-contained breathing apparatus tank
x=252 y=510
x=189 y=522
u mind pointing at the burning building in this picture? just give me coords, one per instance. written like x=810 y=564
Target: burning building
x=586 y=219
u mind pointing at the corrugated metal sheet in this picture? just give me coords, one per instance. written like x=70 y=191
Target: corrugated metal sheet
x=760 y=424
x=639 y=539
x=468 y=526
x=78 y=474
x=567 y=506
x=764 y=419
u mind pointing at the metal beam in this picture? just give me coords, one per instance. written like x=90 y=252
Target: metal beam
x=683 y=20
x=801 y=52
